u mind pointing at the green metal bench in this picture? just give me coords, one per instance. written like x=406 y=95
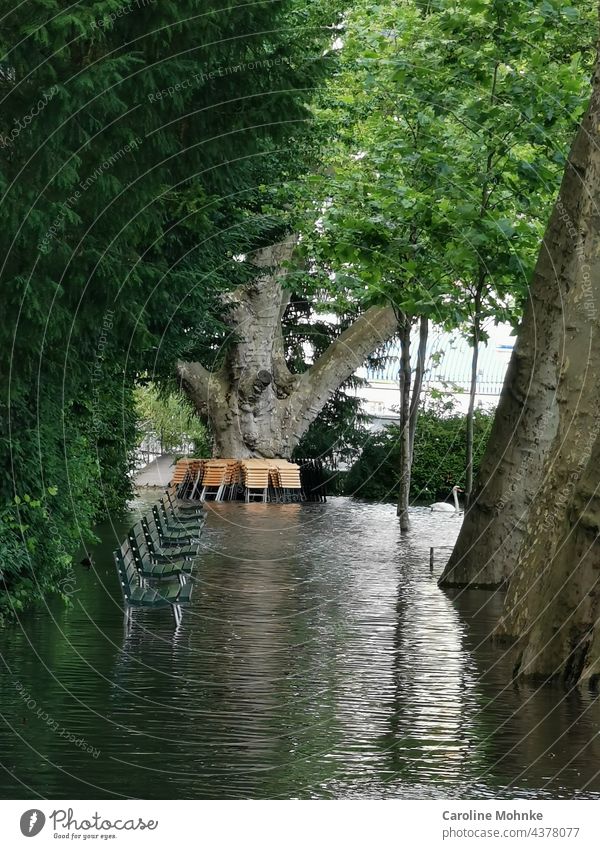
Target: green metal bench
x=175 y=523
x=184 y=508
x=135 y=595
x=174 y=536
x=148 y=542
x=149 y=569
x=168 y=551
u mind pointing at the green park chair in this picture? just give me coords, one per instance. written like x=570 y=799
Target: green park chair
x=172 y=596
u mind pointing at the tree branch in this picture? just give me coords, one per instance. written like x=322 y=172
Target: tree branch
x=204 y=388
x=375 y=327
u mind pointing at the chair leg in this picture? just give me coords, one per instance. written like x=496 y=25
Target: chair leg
x=195 y=487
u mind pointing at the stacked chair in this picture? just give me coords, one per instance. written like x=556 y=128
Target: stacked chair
x=214 y=480
x=285 y=480
x=187 y=478
x=247 y=480
x=155 y=561
x=255 y=479
x=312 y=477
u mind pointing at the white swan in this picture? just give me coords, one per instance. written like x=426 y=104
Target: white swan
x=444 y=507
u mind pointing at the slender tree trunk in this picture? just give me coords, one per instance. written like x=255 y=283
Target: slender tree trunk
x=473 y=391
x=415 y=401
x=405 y=411
x=522 y=443
x=254 y=405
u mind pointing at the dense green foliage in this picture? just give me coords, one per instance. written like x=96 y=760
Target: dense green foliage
x=438 y=458
x=450 y=124
x=147 y=148
x=134 y=141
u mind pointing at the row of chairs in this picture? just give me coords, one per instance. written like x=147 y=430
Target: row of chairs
x=161 y=547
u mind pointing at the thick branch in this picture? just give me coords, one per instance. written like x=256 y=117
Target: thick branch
x=341 y=359
x=285 y=381
x=204 y=388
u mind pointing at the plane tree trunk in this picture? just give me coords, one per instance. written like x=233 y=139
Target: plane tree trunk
x=254 y=405
x=524 y=441
x=553 y=602
x=552 y=606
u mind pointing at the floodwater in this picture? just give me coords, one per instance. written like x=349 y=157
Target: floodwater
x=319 y=659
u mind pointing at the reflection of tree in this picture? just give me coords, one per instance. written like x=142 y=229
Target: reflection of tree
x=273 y=671
x=432 y=735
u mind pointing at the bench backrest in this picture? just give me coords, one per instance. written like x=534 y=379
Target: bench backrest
x=158 y=522
x=139 y=546
x=151 y=534
x=128 y=574
x=160 y=506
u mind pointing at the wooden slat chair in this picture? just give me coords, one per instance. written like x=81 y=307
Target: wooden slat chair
x=186 y=477
x=167 y=553
x=196 y=474
x=287 y=476
x=135 y=595
x=168 y=536
x=233 y=480
x=172 y=520
x=181 y=477
x=256 y=479
x=214 y=480
x=189 y=489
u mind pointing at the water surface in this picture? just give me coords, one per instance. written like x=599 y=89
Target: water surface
x=318 y=659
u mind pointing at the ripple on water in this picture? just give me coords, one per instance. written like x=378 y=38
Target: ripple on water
x=318 y=659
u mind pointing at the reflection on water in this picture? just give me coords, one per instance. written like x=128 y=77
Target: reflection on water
x=318 y=659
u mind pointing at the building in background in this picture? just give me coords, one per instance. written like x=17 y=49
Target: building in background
x=448 y=371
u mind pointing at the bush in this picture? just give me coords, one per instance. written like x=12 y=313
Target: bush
x=439 y=458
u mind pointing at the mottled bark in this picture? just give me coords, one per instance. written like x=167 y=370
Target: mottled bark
x=255 y=406
x=553 y=600
x=553 y=593
x=523 y=443
x=556 y=610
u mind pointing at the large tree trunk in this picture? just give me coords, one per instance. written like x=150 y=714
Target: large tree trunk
x=255 y=406
x=523 y=442
x=405 y=404
x=553 y=600
x=552 y=603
